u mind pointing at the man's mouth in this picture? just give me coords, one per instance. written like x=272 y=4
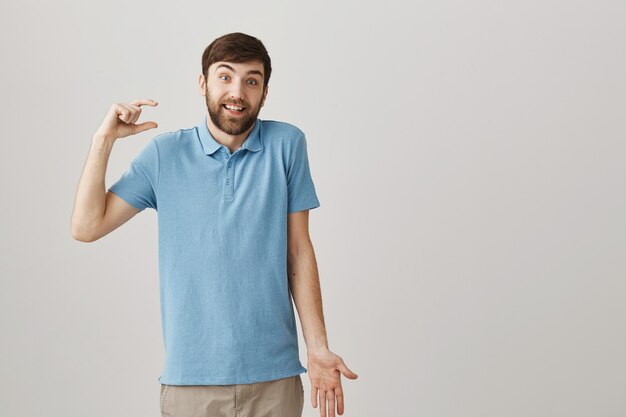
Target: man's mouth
x=234 y=109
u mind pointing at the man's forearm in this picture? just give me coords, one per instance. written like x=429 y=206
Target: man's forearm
x=305 y=288
x=90 y=201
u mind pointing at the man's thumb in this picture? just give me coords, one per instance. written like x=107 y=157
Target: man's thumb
x=145 y=126
x=347 y=372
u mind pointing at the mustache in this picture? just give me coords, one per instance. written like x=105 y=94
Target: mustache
x=235 y=103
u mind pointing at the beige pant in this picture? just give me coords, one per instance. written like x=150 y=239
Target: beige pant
x=278 y=398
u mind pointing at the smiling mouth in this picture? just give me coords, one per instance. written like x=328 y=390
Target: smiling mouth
x=234 y=109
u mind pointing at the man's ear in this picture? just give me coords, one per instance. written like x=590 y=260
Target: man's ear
x=202 y=84
x=264 y=95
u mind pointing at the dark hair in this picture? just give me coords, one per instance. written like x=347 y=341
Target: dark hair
x=237 y=47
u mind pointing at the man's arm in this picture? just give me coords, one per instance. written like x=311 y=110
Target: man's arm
x=97 y=212
x=324 y=367
x=304 y=281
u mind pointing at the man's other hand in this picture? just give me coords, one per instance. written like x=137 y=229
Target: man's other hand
x=325 y=369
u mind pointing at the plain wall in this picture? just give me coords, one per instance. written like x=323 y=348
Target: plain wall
x=470 y=162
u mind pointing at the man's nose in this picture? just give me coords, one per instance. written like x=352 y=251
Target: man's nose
x=236 y=91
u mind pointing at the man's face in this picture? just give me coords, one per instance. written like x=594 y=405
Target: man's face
x=239 y=85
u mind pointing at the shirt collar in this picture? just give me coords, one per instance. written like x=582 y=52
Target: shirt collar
x=252 y=143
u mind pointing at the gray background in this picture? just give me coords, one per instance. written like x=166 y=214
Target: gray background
x=470 y=163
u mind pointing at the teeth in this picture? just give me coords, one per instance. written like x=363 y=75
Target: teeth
x=234 y=107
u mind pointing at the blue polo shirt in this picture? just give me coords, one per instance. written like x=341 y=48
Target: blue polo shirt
x=226 y=309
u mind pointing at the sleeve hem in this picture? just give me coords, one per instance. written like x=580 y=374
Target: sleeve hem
x=128 y=199
x=303 y=207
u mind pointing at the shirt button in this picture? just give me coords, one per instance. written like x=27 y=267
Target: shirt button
x=227 y=181
x=228 y=165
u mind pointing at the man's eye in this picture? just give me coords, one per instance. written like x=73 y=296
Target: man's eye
x=253 y=82
x=221 y=76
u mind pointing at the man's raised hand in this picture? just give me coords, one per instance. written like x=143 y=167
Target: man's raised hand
x=120 y=120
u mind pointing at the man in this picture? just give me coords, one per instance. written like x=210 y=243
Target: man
x=232 y=196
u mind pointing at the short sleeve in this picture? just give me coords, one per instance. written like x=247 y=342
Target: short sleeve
x=301 y=189
x=138 y=185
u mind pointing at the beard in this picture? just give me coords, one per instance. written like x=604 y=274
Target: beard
x=233 y=125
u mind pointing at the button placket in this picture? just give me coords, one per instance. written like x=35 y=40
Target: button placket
x=229 y=171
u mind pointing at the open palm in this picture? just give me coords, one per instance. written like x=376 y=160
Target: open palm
x=325 y=369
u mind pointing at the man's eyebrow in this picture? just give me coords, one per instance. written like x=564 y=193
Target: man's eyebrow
x=233 y=70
